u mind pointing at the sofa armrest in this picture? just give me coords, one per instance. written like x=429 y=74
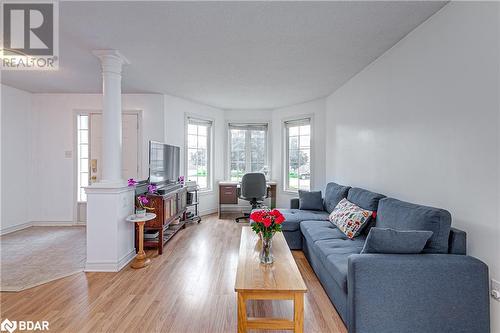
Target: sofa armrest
x=457 y=242
x=294 y=203
x=417 y=293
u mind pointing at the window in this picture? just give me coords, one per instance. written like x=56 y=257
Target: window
x=298 y=155
x=199 y=134
x=83 y=155
x=247 y=150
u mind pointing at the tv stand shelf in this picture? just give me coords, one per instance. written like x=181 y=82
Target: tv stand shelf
x=168 y=208
x=168 y=232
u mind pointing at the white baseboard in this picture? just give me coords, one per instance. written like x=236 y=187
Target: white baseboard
x=8 y=230
x=208 y=211
x=126 y=259
x=109 y=266
x=14 y=228
x=54 y=224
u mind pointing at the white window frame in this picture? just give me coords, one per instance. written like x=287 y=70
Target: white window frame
x=89 y=113
x=304 y=119
x=79 y=172
x=248 y=164
x=210 y=148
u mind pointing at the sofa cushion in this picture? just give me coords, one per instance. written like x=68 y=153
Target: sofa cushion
x=350 y=218
x=320 y=230
x=400 y=215
x=334 y=254
x=333 y=194
x=365 y=199
x=332 y=247
x=386 y=240
x=310 y=200
x=293 y=217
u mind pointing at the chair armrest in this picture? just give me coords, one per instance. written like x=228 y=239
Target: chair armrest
x=294 y=203
x=417 y=293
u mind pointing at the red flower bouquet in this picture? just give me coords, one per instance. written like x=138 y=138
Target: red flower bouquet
x=266 y=223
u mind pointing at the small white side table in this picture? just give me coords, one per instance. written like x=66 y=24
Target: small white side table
x=140 y=259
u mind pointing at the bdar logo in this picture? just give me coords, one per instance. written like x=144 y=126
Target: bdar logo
x=8 y=325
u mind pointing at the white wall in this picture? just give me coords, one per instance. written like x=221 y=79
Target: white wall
x=16 y=172
x=315 y=108
x=175 y=110
x=421 y=124
x=54 y=133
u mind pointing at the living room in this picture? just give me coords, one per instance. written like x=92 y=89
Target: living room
x=390 y=109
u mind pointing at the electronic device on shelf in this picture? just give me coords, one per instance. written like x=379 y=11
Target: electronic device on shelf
x=164 y=164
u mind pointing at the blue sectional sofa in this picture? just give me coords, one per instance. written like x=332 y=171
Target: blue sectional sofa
x=440 y=290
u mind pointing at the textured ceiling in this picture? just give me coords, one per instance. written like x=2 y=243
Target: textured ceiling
x=225 y=54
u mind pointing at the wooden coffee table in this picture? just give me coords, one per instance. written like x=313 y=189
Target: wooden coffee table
x=278 y=281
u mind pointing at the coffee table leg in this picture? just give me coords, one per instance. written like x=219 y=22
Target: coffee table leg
x=140 y=260
x=242 y=314
x=298 y=312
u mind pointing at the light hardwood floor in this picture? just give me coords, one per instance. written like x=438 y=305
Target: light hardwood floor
x=190 y=288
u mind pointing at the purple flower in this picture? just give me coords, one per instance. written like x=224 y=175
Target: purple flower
x=132 y=182
x=143 y=200
x=151 y=188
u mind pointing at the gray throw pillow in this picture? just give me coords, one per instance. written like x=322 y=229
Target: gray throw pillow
x=386 y=240
x=310 y=200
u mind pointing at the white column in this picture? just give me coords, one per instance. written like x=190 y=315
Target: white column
x=111 y=64
x=110 y=239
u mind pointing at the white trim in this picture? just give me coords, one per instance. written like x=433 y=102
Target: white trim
x=104 y=188
x=227 y=148
x=14 y=228
x=126 y=259
x=284 y=150
x=210 y=149
x=56 y=224
x=9 y=230
x=208 y=211
x=110 y=266
x=89 y=112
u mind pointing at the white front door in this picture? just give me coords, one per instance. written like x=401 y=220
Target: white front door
x=130 y=135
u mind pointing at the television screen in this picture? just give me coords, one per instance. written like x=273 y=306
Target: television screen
x=164 y=163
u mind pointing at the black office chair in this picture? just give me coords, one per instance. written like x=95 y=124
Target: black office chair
x=253 y=188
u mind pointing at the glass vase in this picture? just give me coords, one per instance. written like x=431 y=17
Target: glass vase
x=266 y=255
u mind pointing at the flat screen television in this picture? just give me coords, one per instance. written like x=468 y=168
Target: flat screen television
x=164 y=163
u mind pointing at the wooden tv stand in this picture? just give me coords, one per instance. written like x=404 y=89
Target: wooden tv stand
x=168 y=208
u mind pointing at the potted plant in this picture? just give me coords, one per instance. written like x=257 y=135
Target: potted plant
x=266 y=224
x=140 y=207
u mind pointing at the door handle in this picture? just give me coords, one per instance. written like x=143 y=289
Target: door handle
x=93 y=165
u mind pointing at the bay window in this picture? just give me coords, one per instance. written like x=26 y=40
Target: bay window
x=247 y=150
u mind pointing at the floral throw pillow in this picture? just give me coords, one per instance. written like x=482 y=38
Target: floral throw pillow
x=350 y=218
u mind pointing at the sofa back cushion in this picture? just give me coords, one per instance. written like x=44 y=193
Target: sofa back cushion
x=386 y=240
x=333 y=194
x=400 y=215
x=365 y=199
x=310 y=200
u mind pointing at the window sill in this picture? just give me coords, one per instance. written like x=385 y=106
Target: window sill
x=291 y=192
x=206 y=192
